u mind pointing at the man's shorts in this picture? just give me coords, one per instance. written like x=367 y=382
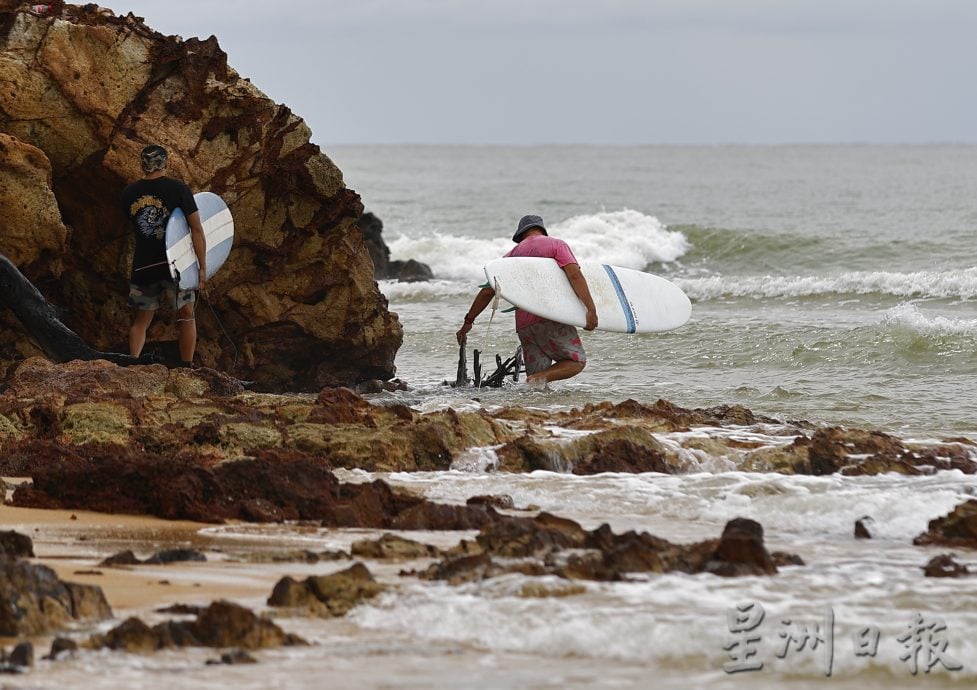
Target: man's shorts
x=147 y=297
x=546 y=342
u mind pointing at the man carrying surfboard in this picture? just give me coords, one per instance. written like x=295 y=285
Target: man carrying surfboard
x=148 y=204
x=552 y=351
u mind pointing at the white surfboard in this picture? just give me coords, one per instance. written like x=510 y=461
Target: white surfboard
x=627 y=301
x=218 y=229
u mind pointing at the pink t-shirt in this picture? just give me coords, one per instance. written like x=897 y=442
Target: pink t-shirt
x=546 y=247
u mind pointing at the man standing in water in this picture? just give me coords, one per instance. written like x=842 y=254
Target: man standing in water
x=552 y=351
x=148 y=204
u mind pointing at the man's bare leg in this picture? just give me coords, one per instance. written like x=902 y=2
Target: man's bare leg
x=563 y=369
x=187 y=325
x=137 y=332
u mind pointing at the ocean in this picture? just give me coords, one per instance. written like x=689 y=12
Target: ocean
x=835 y=284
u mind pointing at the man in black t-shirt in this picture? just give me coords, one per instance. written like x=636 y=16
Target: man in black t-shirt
x=148 y=204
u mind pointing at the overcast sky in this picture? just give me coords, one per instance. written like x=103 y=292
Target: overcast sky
x=601 y=71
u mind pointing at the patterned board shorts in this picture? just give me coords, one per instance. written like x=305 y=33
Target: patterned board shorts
x=147 y=297
x=546 y=342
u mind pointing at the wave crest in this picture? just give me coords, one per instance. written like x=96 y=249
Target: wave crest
x=958 y=284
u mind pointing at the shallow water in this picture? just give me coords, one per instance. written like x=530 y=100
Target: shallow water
x=830 y=283
x=670 y=627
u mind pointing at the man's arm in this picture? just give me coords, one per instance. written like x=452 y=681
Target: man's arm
x=199 y=246
x=482 y=300
x=582 y=291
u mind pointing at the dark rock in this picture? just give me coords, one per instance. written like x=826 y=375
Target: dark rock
x=945 y=566
x=126 y=557
x=238 y=656
x=222 y=624
x=33 y=601
x=372 y=228
x=22 y=655
x=503 y=502
x=110 y=479
x=16 y=545
x=410 y=271
x=836 y=449
x=160 y=558
x=782 y=559
x=62 y=646
x=383 y=268
x=956 y=530
x=549 y=545
x=328 y=595
x=260 y=510
x=390 y=546
x=741 y=551
x=175 y=556
x=863 y=527
x=181 y=610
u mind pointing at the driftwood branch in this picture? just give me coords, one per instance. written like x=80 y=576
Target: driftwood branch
x=42 y=322
x=504 y=369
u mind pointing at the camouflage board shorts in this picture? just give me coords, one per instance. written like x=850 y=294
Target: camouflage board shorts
x=147 y=297
x=546 y=342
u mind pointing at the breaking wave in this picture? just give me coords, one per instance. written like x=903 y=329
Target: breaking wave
x=952 y=284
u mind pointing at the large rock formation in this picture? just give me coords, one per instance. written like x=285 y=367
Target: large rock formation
x=81 y=92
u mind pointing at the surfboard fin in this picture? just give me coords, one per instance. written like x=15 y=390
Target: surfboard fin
x=495 y=305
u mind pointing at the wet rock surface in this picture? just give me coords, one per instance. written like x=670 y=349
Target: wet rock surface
x=124 y=558
x=222 y=624
x=327 y=595
x=958 y=529
x=15 y=545
x=193 y=444
x=945 y=566
x=34 y=601
x=551 y=545
x=49 y=411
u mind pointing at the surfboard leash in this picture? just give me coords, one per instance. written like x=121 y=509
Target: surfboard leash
x=223 y=330
x=213 y=312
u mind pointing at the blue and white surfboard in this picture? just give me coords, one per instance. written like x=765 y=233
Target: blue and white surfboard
x=218 y=229
x=627 y=301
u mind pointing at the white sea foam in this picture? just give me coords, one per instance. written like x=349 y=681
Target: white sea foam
x=624 y=238
x=909 y=316
x=960 y=284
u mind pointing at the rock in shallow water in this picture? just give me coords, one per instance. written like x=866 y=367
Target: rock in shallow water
x=551 y=545
x=34 y=601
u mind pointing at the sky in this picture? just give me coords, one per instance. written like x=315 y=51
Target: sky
x=619 y=72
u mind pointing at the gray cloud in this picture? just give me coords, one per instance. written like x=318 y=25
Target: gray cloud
x=615 y=71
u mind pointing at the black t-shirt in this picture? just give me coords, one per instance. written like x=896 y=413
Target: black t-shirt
x=148 y=205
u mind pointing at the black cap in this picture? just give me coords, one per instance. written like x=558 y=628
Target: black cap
x=528 y=223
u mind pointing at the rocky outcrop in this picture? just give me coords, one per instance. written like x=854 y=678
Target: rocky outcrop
x=957 y=530
x=945 y=566
x=222 y=624
x=551 y=545
x=54 y=415
x=84 y=91
x=267 y=488
x=409 y=271
x=327 y=596
x=33 y=601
